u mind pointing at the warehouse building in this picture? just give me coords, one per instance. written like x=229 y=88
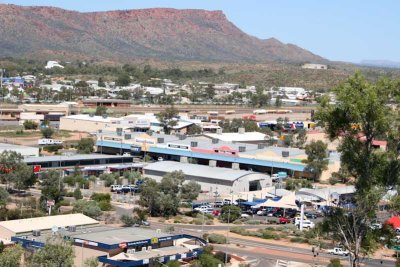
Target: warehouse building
x=211 y=179
x=113 y=246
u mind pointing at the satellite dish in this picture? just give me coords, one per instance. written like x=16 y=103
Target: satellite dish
x=54 y=229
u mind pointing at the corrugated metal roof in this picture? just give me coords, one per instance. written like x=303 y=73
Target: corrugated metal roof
x=47 y=222
x=73 y=157
x=197 y=170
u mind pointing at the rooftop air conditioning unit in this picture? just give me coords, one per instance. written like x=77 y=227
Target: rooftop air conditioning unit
x=242 y=149
x=160 y=140
x=215 y=141
x=285 y=154
x=128 y=136
x=144 y=248
x=182 y=137
x=193 y=144
x=72 y=228
x=241 y=130
x=36 y=232
x=260 y=146
x=219 y=131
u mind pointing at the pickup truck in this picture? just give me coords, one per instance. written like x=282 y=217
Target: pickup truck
x=338 y=251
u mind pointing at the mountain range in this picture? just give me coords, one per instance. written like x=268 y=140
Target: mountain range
x=157 y=33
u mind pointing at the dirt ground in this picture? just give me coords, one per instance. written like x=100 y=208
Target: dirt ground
x=32 y=140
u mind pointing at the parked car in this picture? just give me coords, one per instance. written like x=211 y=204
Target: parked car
x=141 y=223
x=338 y=251
x=115 y=187
x=283 y=220
x=127 y=189
x=244 y=215
x=216 y=213
x=203 y=207
x=306 y=224
x=45 y=141
x=310 y=215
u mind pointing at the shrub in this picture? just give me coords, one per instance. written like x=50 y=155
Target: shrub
x=30 y=125
x=333 y=180
x=78 y=194
x=335 y=263
x=105 y=205
x=222 y=256
x=162 y=220
x=197 y=222
x=64 y=203
x=127 y=220
x=298 y=240
x=238 y=230
x=209 y=222
x=253 y=222
x=100 y=197
x=238 y=222
x=217 y=239
x=313 y=242
x=52 y=148
x=266 y=234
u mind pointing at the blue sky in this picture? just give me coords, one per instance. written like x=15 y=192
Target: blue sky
x=347 y=30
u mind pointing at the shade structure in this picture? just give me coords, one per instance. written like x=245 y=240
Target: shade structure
x=285 y=202
x=394 y=221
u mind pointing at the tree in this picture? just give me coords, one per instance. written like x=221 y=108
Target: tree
x=78 y=194
x=4 y=197
x=167 y=117
x=89 y=208
x=57 y=252
x=101 y=111
x=301 y=138
x=361 y=115
x=11 y=256
x=123 y=80
x=14 y=171
x=278 y=101
x=52 y=186
x=190 y=191
x=124 y=94
x=316 y=160
x=47 y=132
x=230 y=213
x=194 y=129
x=101 y=82
x=30 y=125
x=85 y=146
x=173 y=263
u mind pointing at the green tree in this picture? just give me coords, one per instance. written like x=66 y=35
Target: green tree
x=278 y=101
x=101 y=82
x=57 y=252
x=123 y=80
x=173 y=263
x=194 y=129
x=30 y=125
x=124 y=94
x=85 y=146
x=52 y=186
x=300 y=138
x=316 y=160
x=11 y=256
x=14 y=171
x=47 y=132
x=101 y=111
x=78 y=194
x=190 y=191
x=361 y=115
x=89 y=208
x=230 y=213
x=167 y=116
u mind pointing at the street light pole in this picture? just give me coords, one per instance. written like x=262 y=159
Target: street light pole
x=227 y=234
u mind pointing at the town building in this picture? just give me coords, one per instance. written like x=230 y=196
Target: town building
x=211 y=179
x=314 y=66
x=113 y=246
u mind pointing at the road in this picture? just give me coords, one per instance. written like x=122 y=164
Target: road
x=264 y=254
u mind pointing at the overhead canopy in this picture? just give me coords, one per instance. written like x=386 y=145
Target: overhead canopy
x=285 y=202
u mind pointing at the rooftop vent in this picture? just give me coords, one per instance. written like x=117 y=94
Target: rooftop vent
x=193 y=144
x=36 y=232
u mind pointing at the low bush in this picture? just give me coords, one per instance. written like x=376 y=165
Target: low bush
x=298 y=240
x=217 y=239
x=253 y=222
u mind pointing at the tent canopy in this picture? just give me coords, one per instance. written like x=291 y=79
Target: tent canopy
x=394 y=221
x=286 y=202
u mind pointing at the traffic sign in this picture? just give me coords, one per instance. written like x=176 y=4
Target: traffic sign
x=50 y=203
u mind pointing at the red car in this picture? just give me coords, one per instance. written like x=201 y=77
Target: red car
x=216 y=213
x=283 y=220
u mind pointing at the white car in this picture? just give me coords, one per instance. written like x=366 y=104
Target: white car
x=338 y=251
x=244 y=215
x=49 y=142
x=306 y=224
x=203 y=207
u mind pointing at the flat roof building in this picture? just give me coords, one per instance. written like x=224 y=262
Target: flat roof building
x=211 y=179
x=122 y=247
x=25 y=151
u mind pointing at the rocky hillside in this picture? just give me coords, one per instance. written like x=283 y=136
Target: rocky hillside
x=163 y=34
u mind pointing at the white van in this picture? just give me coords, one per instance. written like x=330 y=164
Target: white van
x=45 y=141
